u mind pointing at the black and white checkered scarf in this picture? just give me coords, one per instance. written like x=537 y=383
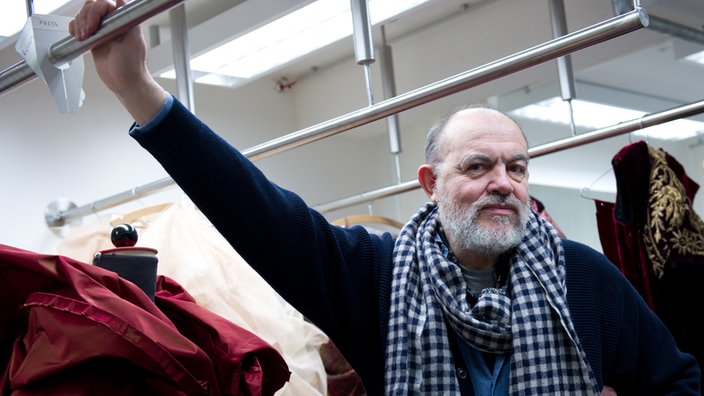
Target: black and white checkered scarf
x=530 y=319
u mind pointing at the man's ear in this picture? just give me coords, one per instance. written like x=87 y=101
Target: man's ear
x=426 y=178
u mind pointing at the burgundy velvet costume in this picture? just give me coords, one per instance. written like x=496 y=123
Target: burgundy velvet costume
x=657 y=240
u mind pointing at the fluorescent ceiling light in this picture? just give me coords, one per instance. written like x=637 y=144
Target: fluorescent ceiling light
x=296 y=34
x=594 y=115
x=14 y=13
x=696 y=58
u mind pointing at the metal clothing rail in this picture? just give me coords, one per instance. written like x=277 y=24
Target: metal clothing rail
x=645 y=121
x=67 y=49
x=549 y=50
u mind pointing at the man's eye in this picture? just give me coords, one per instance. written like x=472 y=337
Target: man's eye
x=518 y=170
x=474 y=168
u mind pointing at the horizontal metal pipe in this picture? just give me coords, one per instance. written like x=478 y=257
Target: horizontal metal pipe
x=555 y=48
x=67 y=49
x=648 y=120
x=56 y=218
x=368 y=196
x=16 y=76
x=550 y=50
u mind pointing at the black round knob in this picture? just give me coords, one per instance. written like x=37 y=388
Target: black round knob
x=124 y=235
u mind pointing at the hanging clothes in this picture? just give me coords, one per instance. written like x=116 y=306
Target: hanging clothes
x=342 y=379
x=655 y=237
x=194 y=254
x=539 y=208
x=375 y=224
x=623 y=245
x=72 y=328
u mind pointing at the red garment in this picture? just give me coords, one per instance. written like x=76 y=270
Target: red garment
x=655 y=237
x=71 y=328
x=342 y=379
x=623 y=245
x=539 y=208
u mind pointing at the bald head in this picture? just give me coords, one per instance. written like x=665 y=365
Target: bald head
x=466 y=115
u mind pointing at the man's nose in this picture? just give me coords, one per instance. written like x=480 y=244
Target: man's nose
x=500 y=183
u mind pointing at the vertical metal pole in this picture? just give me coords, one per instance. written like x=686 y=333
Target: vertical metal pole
x=182 y=56
x=30 y=8
x=363 y=42
x=564 y=63
x=389 y=81
x=622 y=6
x=154 y=36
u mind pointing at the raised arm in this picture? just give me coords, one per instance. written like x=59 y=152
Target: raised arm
x=121 y=63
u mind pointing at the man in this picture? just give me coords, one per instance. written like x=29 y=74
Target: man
x=477 y=295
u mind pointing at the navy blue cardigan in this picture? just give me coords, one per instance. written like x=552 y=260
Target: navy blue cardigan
x=340 y=278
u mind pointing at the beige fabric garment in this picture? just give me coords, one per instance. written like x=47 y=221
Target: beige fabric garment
x=194 y=254
x=83 y=241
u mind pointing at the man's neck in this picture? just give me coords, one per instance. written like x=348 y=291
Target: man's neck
x=472 y=260
x=475 y=260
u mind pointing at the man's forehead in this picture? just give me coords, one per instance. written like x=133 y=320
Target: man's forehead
x=481 y=128
x=481 y=119
x=512 y=157
x=478 y=113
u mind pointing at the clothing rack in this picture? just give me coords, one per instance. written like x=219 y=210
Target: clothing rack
x=645 y=121
x=67 y=49
x=550 y=50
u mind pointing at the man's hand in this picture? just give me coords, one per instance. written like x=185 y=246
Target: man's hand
x=120 y=63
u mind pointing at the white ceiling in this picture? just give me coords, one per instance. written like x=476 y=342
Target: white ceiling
x=644 y=65
x=631 y=71
x=652 y=70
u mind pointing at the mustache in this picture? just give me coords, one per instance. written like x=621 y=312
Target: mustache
x=498 y=199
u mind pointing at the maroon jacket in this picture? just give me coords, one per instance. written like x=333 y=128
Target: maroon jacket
x=67 y=327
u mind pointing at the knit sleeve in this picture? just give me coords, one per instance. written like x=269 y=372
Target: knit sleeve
x=627 y=345
x=338 y=278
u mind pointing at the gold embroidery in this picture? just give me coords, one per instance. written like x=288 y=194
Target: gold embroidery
x=671 y=225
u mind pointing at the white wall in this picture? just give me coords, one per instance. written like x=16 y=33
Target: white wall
x=88 y=156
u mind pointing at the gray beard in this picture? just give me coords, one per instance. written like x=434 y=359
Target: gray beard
x=462 y=224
